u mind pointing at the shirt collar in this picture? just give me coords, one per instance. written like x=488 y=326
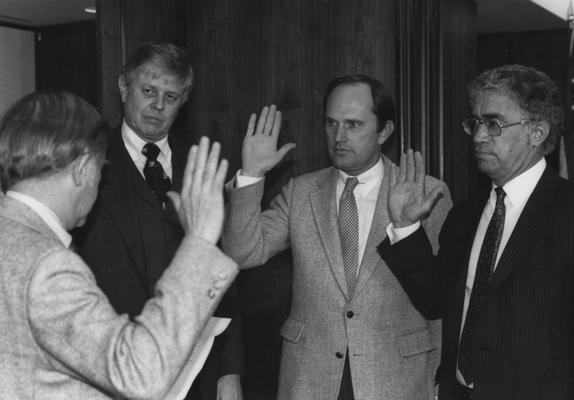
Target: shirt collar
x=45 y=213
x=519 y=189
x=370 y=176
x=135 y=144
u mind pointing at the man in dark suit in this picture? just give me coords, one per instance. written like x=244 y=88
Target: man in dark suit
x=133 y=231
x=502 y=281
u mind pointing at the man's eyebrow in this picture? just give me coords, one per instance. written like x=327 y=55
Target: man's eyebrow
x=493 y=115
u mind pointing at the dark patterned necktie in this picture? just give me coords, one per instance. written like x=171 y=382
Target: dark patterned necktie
x=349 y=233
x=154 y=174
x=484 y=270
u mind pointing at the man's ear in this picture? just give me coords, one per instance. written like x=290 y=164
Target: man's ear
x=539 y=132
x=79 y=169
x=123 y=88
x=386 y=132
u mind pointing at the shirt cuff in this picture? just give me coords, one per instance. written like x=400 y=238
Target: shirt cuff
x=244 y=180
x=397 y=234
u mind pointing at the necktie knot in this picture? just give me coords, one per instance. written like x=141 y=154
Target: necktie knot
x=500 y=194
x=350 y=184
x=151 y=151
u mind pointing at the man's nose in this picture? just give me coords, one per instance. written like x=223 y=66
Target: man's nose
x=340 y=134
x=159 y=103
x=481 y=134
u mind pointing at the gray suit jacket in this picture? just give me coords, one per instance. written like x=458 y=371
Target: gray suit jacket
x=61 y=339
x=394 y=351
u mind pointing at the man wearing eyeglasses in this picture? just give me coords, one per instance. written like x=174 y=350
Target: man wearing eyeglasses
x=503 y=278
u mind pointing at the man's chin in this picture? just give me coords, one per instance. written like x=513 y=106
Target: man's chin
x=485 y=167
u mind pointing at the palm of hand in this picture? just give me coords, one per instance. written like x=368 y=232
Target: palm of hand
x=406 y=204
x=259 y=154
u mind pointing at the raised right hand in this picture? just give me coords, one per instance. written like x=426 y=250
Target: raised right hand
x=408 y=202
x=200 y=203
x=259 y=153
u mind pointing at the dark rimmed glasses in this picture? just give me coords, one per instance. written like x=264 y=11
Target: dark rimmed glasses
x=493 y=126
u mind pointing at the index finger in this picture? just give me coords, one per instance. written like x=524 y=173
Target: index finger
x=276 y=124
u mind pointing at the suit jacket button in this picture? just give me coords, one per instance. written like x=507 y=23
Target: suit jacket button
x=350 y=314
x=211 y=293
x=339 y=354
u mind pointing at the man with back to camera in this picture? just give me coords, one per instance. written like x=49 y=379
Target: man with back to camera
x=352 y=332
x=502 y=280
x=133 y=231
x=59 y=336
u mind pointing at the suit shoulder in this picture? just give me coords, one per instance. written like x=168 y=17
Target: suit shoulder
x=23 y=245
x=312 y=177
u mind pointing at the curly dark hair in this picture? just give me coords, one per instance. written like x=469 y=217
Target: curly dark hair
x=533 y=91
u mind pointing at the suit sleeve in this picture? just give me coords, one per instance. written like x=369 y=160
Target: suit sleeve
x=81 y=335
x=251 y=236
x=413 y=261
x=226 y=356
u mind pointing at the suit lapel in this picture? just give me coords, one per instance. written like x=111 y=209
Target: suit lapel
x=378 y=229
x=527 y=229
x=324 y=208
x=117 y=197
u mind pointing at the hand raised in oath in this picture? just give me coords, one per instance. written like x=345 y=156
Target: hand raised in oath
x=259 y=153
x=408 y=202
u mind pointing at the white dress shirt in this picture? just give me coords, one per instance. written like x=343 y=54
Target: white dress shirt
x=366 y=194
x=47 y=215
x=134 y=145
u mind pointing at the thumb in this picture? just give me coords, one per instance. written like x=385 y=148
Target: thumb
x=175 y=199
x=432 y=198
x=287 y=147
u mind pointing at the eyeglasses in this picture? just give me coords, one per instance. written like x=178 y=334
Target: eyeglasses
x=493 y=126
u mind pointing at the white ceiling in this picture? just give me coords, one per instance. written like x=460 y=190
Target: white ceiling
x=496 y=16
x=36 y=13
x=493 y=15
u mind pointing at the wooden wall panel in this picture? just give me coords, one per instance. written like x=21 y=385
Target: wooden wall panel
x=248 y=53
x=458 y=26
x=436 y=44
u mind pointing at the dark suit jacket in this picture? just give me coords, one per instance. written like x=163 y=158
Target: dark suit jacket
x=111 y=244
x=524 y=335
